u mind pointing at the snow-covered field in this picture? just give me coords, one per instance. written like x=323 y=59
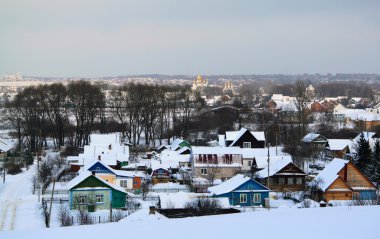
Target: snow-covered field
x=20 y=217
x=336 y=222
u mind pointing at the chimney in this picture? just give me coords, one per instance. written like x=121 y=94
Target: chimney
x=152 y=210
x=99 y=158
x=110 y=147
x=93 y=173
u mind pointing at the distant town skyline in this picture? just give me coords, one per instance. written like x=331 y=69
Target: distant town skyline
x=95 y=38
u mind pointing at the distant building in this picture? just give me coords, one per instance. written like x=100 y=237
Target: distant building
x=228 y=89
x=199 y=84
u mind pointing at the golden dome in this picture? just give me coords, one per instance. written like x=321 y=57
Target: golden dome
x=199 y=78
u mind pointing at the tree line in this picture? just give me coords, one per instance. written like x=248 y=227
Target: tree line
x=69 y=114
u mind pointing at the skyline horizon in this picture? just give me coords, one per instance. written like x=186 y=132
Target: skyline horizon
x=94 y=38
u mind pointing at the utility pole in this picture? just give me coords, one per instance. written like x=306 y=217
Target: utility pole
x=51 y=200
x=268 y=146
x=3 y=174
x=38 y=177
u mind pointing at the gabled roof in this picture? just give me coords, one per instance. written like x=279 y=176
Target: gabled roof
x=216 y=150
x=330 y=173
x=367 y=135
x=234 y=136
x=274 y=167
x=86 y=174
x=121 y=173
x=339 y=144
x=231 y=184
x=6 y=145
x=310 y=137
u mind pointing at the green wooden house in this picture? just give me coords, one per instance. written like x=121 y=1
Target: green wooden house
x=95 y=193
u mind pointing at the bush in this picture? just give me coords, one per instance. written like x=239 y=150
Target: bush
x=12 y=167
x=64 y=217
x=203 y=206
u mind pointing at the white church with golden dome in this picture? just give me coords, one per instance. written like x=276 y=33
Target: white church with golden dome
x=199 y=84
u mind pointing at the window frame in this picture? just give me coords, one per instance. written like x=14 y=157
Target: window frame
x=256 y=198
x=204 y=171
x=243 y=198
x=245 y=144
x=101 y=196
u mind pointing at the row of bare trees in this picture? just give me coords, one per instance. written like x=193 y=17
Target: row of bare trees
x=68 y=114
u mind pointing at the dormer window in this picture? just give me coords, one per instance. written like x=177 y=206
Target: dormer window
x=246 y=144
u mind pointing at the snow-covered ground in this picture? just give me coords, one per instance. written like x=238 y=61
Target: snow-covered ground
x=19 y=208
x=334 y=222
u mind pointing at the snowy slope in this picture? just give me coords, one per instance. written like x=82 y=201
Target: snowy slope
x=291 y=223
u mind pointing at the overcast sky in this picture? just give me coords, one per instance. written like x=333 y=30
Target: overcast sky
x=107 y=38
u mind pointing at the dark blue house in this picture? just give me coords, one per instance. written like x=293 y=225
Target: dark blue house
x=241 y=190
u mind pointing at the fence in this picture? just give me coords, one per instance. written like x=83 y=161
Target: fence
x=170 y=190
x=55 y=199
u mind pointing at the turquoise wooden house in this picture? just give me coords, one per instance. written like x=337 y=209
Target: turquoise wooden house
x=95 y=193
x=241 y=190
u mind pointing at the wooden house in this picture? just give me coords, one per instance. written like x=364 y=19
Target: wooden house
x=160 y=175
x=342 y=180
x=241 y=190
x=315 y=142
x=216 y=162
x=91 y=191
x=316 y=106
x=243 y=138
x=284 y=176
x=338 y=148
x=129 y=180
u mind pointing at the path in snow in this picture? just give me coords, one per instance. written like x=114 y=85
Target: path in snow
x=18 y=205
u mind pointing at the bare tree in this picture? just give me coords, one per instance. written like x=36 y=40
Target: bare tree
x=64 y=216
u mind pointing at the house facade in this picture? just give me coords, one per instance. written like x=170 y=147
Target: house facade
x=284 y=176
x=129 y=180
x=338 y=148
x=216 y=162
x=342 y=180
x=90 y=191
x=241 y=190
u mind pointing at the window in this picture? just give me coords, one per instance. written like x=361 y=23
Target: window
x=82 y=199
x=124 y=183
x=243 y=198
x=256 y=198
x=99 y=198
x=249 y=163
x=97 y=168
x=246 y=144
x=299 y=181
x=281 y=181
x=290 y=181
x=204 y=171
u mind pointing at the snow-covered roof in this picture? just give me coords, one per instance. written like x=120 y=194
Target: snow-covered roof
x=330 y=173
x=274 y=167
x=183 y=149
x=121 y=173
x=367 y=136
x=339 y=144
x=6 y=145
x=262 y=152
x=229 y=185
x=106 y=146
x=222 y=141
x=84 y=175
x=235 y=135
x=310 y=137
x=216 y=150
